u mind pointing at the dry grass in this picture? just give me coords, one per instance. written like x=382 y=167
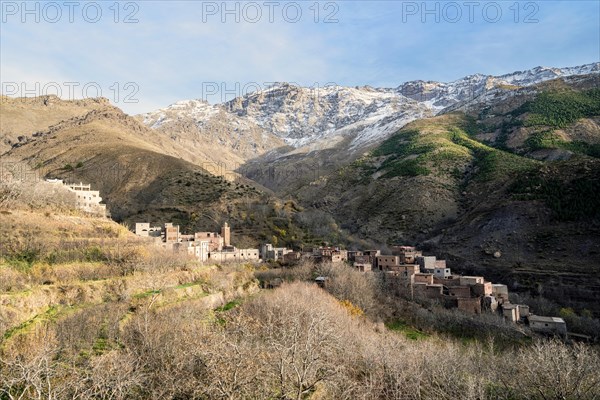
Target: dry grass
x=296 y=342
x=25 y=116
x=68 y=261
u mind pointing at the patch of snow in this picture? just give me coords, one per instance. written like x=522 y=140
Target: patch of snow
x=305 y=116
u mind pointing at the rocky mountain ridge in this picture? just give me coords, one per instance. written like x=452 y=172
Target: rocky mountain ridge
x=306 y=119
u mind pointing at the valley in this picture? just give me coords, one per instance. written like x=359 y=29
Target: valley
x=467 y=168
x=323 y=200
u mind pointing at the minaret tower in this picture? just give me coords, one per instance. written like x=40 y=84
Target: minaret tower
x=226 y=234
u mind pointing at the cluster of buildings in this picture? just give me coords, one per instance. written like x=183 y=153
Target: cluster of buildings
x=318 y=254
x=86 y=199
x=214 y=246
x=425 y=276
x=428 y=277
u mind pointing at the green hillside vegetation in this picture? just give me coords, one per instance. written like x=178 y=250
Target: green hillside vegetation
x=547 y=139
x=540 y=117
x=442 y=146
x=560 y=108
x=492 y=163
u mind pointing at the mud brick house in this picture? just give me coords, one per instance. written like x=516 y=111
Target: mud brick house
x=407 y=254
x=500 y=292
x=490 y=303
x=199 y=248
x=145 y=230
x=215 y=240
x=363 y=267
x=390 y=264
x=511 y=312
x=426 y=262
x=387 y=262
x=231 y=253
x=363 y=263
x=482 y=289
x=523 y=310
x=292 y=257
x=434 y=291
x=268 y=252
x=471 y=280
x=171 y=233
x=372 y=253
x=460 y=291
x=364 y=259
x=423 y=278
x=407 y=271
x=420 y=287
x=548 y=325
x=352 y=254
x=330 y=254
x=448 y=281
x=469 y=304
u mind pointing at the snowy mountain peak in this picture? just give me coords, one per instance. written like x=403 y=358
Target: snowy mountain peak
x=305 y=116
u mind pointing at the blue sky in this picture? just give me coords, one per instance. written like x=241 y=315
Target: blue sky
x=193 y=49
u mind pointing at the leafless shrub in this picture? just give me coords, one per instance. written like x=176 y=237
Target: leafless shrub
x=295 y=342
x=33 y=372
x=345 y=283
x=35 y=194
x=11 y=280
x=154 y=258
x=305 y=333
x=113 y=375
x=551 y=370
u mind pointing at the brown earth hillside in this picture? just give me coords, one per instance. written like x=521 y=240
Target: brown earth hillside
x=140 y=181
x=22 y=117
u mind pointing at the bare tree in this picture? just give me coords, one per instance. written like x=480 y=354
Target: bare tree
x=302 y=328
x=552 y=370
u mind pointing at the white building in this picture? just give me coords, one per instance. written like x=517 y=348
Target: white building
x=442 y=272
x=199 y=248
x=268 y=252
x=145 y=230
x=234 y=254
x=86 y=199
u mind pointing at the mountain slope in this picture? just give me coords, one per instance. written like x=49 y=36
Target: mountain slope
x=283 y=120
x=22 y=117
x=140 y=180
x=115 y=153
x=209 y=136
x=446 y=184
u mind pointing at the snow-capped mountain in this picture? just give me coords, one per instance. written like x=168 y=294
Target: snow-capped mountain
x=313 y=117
x=442 y=95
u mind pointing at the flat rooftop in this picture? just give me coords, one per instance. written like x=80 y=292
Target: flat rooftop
x=537 y=318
